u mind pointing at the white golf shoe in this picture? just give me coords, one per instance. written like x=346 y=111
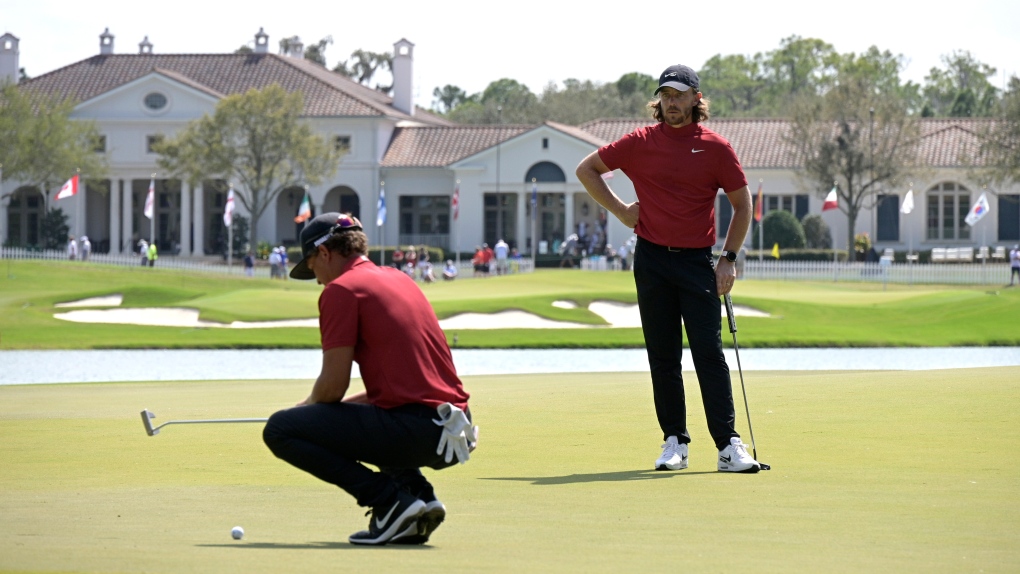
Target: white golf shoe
x=734 y=458
x=674 y=455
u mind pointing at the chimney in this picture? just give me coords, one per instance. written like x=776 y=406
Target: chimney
x=9 y=59
x=292 y=47
x=261 y=42
x=403 y=73
x=145 y=46
x=106 y=43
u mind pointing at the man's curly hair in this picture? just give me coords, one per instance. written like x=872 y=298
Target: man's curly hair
x=348 y=242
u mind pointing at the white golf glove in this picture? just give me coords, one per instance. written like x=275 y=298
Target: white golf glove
x=459 y=437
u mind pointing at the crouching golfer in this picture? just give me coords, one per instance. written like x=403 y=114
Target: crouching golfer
x=414 y=410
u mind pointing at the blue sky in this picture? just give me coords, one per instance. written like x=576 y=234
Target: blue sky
x=471 y=43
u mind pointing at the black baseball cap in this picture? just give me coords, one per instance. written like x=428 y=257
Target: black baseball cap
x=316 y=232
x=678 y=77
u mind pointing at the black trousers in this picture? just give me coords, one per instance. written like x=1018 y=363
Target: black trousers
x=331 y=441
x=673 y=285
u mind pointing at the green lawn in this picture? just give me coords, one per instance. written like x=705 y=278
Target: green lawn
x=815 y=314
x=872 y=472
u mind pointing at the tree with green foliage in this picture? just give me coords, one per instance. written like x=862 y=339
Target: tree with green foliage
x=256 y=139
x=734 y=85
x=317 y=52
x=817 y=234
x=447 y=98
x=854 y=135
x=1000 y=141
x=961 y=90
x=780 y=227
x=53 y=229
x=40 y=145
x=363 y=65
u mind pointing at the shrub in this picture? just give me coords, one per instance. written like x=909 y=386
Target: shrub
x=817 y=234
x=780 y=227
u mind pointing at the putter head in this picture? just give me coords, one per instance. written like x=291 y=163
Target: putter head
x=764 y=466
x=147 y=417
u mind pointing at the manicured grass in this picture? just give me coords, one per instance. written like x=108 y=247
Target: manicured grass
x=872 y=472
x=803 y=314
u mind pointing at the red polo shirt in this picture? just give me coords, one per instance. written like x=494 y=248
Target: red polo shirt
x=677 y=173
x=398 y=345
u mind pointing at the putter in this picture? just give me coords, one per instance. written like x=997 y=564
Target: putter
x=731 y=318
x=150 y=430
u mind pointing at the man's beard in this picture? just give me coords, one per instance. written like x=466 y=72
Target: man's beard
x=685 y=116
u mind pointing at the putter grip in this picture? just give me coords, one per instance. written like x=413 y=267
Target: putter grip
x=729 y=313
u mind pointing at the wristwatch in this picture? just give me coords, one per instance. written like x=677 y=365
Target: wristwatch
x=730 y=256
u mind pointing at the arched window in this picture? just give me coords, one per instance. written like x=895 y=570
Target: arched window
x=545 y=171
x=24 y=214
x=948 y=204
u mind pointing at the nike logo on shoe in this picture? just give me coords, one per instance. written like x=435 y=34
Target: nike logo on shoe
x=725 y=458
x=380 y=524
x=697 y=150
x=684 y=457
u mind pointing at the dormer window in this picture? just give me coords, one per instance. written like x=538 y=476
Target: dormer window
x=155 y=101
x=342 y=143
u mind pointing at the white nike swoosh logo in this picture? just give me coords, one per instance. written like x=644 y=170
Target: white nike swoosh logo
x=697 y=150
x=380 y=523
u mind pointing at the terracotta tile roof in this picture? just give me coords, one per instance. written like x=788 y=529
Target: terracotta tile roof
x=761 y=143
x=434 y=146
x=578 y=133
x=326 y=93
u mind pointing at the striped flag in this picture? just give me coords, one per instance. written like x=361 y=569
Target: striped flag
x=69 y=188
x=304 y=211
x=758 y=205
x=228 y=211
x=456 y=202
x=831 y=200
x=150 y=200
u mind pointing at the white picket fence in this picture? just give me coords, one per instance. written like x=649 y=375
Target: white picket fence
x=163 y=262
x=905 y=273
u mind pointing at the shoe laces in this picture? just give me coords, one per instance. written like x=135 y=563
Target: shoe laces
x=741 y=450
x=670 y=448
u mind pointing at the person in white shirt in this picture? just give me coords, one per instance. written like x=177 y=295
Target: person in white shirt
x=72 y=248
x=1014 y=263
x=502 y=250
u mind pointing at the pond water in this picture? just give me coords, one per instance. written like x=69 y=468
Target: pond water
x=36 y=367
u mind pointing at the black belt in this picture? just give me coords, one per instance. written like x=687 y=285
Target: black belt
x=674 y=249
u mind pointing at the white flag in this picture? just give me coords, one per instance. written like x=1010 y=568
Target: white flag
x=228 y=211
x=908 y=203
x=380 y=208
x=150 y=200
x=979 y=210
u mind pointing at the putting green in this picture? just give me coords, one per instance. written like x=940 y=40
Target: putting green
x=872 y=471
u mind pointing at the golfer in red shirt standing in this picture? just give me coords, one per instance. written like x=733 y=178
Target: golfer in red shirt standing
x=414 y=410
x=677 y=167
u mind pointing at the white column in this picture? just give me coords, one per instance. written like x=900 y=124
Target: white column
x=115 y=241
x=81 y=211
x=568 y=216
x=199 y=247
x=523 y=221
x=126 y=241
x=185 y=219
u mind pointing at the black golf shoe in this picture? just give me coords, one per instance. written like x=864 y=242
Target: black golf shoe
x=398 y=518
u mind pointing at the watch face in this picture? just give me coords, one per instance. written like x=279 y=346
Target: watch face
x=730 y=256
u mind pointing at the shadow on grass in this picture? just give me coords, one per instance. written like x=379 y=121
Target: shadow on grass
x=313 y=546
x=622 y=476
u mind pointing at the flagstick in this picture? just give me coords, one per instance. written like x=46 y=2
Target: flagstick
x=230 y=236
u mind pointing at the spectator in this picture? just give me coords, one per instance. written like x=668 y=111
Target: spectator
x=86 y=248
x=478 y=261
x=449 y=271
x=488 y=255
x=1014 y=263
x=502 y=251
x=427 y=274
x=567 y=251
x=622 y=253
x=398 y=258
x=72 y=248
x=153 y=255
x=249 y=264
x=143 y=250
x=283 y=263
x=274 y=263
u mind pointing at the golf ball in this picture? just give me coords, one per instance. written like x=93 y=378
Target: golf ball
x=237 y=533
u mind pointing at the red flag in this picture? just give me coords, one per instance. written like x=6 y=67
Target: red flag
x=757 y=206
x=228 y=211
x=831 y=200
x=69 y=188
x=456 y=202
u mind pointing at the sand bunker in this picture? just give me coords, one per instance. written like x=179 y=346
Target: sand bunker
x=618 y=315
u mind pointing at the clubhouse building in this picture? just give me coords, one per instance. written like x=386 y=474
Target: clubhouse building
x=420 y=161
